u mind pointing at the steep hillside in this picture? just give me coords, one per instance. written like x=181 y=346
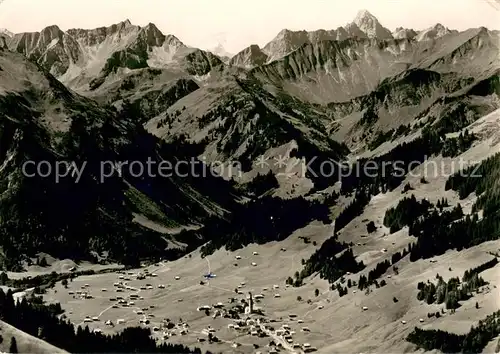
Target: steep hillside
x=337 y=71
x=403 y=104
x=237 y=120
x=91 y=208
x=25 y=342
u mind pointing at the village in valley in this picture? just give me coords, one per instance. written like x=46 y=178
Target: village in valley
x=232 y=318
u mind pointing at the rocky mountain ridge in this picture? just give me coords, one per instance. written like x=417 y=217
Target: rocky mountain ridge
x=90 y=52
x=95 y=54
x=327 y=95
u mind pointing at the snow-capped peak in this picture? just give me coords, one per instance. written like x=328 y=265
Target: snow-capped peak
x=370 y=25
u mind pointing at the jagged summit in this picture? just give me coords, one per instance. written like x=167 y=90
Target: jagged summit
x=363 y=16
x=51 y=32
x=365 y=25
x=249 y=57
x=172 y=40
x=371 y=26
x=111 y=28
x=285 y=42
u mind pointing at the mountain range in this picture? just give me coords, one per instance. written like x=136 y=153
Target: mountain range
x=323 y=94
x=77 y=51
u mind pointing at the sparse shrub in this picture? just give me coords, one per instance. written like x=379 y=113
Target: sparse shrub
x=299 y=298
x=370 y=227
x=316 y=292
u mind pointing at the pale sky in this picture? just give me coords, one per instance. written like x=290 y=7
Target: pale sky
x=239 y=23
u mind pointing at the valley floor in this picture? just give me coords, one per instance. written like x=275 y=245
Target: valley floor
x=336 y=324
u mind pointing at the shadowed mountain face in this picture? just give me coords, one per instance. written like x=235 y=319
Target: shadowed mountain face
x=131 y=93
x=70 y=214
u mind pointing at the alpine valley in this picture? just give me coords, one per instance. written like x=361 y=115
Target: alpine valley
x=350 y=177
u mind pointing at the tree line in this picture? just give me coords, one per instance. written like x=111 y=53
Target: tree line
x=407 y=210
x=453 y=291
